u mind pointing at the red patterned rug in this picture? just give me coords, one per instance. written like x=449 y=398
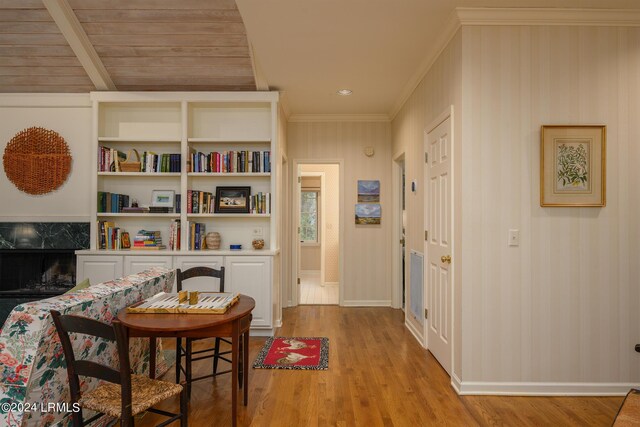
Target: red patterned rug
x=310 y=353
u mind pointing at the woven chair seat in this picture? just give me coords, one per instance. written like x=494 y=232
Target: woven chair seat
x=145 y=392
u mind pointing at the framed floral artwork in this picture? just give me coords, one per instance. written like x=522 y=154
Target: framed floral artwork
x=573 y=165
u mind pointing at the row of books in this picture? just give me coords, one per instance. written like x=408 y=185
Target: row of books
x=197 y=232
x=174 y=235
x=152 y=162
x=112 y=237
x=112 y=202
x=200 y=201
x=260 y=203
x=148 y=239
x=230 y=162
x=109 y=160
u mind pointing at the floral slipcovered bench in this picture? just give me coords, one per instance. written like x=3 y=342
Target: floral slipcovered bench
x=33 y=376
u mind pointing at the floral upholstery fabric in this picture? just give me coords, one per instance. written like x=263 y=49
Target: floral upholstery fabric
x=32 y=365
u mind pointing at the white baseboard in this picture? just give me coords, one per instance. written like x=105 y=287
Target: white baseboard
x=415 y=332
x=540 y=389
x=331 y=283
x=455 y=383
x=367 y=303
x=261 y=332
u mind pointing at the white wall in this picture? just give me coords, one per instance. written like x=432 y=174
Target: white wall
x=367 y=266
x=438 y=90
x=70 y=116
x=564 y=306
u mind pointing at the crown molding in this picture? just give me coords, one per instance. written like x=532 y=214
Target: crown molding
x=466 y=16
x=297 y=118
x=549 y=16
x=451 y=27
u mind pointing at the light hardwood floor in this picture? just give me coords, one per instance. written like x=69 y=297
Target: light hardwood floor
x=311 y=292
x=378 y=376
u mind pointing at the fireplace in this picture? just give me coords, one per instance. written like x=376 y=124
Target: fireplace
x=37 y=260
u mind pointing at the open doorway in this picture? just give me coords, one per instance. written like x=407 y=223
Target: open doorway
x=399 y=227
x=318 y=229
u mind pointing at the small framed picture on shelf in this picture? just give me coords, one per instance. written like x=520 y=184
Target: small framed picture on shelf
x=162 y=198
x=232 y=199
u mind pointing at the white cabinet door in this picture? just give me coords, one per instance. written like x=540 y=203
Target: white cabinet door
x=137 y=263
x=98 y=268
x=200 y=283
x=251 y=275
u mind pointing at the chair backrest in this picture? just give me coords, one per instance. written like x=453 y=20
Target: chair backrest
x=66 y=324
x=200 y=272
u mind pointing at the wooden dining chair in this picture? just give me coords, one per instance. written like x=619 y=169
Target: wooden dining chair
x=207 y=353
x=122 y=394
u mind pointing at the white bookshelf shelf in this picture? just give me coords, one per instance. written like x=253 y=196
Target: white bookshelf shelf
x=137 y=140
x=137 y=215
x=143 y=174
x=231 y=174
x=229 y=215
x=230 y=140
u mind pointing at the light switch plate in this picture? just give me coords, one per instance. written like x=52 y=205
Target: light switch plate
x=257 y=232
x=514 y=237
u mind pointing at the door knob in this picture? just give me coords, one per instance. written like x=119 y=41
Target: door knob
x=446 y=258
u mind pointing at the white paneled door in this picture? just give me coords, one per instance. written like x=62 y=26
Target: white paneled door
x=438 y=146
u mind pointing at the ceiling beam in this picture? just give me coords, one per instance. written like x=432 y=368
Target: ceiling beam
x=72 y=30
x=261 y=81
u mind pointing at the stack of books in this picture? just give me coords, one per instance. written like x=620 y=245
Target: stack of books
x=152 y=162
x=260 y=203
x=197 y=232
x=112 y=202
x=111 y=236
x=200 y=201
x=109 y=159
x=230 y=162
x=149 y=240
x=174 y=235
x=160 y=209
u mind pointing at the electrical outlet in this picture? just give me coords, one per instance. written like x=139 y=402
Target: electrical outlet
x=257 y=232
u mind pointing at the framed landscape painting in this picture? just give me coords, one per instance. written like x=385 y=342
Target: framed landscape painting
x=573 y=165
x=368 y=213
x=368 y=191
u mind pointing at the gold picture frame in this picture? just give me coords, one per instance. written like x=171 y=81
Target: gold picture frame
x=573 y=165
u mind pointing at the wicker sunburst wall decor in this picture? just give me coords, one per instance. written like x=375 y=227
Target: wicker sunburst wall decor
x=37 y=160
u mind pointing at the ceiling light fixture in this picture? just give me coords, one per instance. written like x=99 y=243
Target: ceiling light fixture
x=345 y=92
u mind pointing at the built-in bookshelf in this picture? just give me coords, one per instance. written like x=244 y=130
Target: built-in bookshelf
x=186 y=143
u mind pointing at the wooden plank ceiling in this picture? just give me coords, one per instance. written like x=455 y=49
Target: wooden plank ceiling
x=160 y=45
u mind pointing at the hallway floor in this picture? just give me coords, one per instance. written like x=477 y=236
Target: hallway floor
x=312 y=293
x=378 y=376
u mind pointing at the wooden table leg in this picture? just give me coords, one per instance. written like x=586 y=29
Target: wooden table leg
x=245 y=367
x=152 y=357
x=235 y=350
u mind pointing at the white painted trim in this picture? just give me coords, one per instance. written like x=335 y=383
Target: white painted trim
x=72 y=30
x=185 y=96
x=396 y=234
x=294 y=298
x=463 y=16
x=544 y=389
x=549 y=16
x=331 y=284
x=366 y=303
x=45 y=100
x=297 y=118
x=415 y=332
x=447 y=34
x=448 y=112
x=263 y=332
x=455 y=382
x=258 y=75
x=47 y=218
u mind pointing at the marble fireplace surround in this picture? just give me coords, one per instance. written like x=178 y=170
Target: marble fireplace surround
x=39 y=257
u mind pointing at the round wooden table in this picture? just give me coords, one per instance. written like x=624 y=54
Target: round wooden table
x=235 y=323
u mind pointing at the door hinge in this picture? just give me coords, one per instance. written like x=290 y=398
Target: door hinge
x=298 y=230
x=426 y=235
x=426 y=313
x=298 y=280
x=426 y=157
x=299 y=179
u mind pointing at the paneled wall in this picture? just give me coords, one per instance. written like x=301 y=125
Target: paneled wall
x=562 y=307
x=70 y=116
x=439 y=89
x=367 y=275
